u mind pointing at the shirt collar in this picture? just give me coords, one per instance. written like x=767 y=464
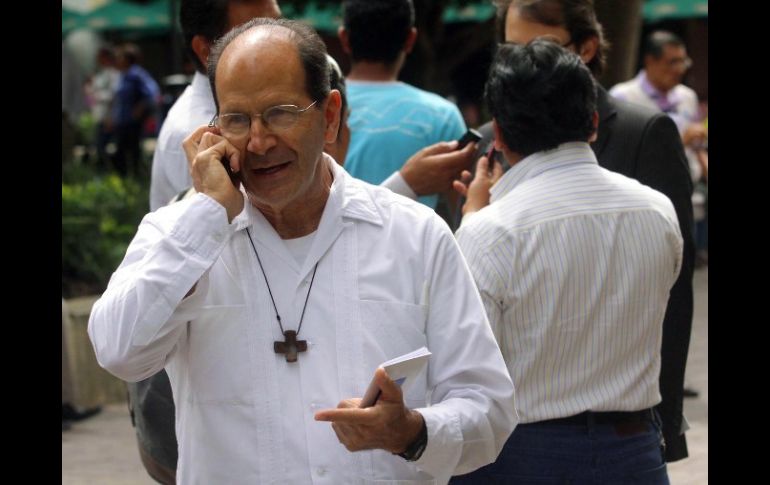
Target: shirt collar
x=347 y=198
x=571 y=153
x=665 y=101
x=354 y=200
x=201 y=87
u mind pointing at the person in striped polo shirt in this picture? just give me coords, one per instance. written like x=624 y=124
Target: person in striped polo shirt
x=574 y=264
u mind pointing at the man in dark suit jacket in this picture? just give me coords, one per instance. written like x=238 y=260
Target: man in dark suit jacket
x=639 y=143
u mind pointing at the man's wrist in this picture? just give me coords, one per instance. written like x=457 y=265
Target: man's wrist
x=416 y=447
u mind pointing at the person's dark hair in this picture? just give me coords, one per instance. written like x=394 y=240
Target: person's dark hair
x=130 y=52
x=310 y=47
x=377 y=29
x=656 y=41
x=577 y=17
x=202 y=17
x=106 y=51
x=541 y=96
x=337 y=81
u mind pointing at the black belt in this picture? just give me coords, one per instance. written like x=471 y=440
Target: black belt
x=588 y=418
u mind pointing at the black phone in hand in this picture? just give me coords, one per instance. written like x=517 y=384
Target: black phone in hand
x=470 y=136
x=233 y=176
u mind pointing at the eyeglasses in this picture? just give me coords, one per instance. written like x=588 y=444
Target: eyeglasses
x=275 y=118
x=680 y=63
x=546 y=37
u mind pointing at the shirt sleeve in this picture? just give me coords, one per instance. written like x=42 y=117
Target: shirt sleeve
x=398 y=185
x=617 y=92
x=136 y=323
x=472 y=412
x=485 y=274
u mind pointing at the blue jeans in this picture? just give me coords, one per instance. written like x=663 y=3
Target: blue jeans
x=577 y=454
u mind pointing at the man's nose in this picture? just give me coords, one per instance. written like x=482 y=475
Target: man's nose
x=261 y=139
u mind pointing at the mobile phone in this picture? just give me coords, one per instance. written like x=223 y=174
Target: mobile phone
x=470 y=136
x=491 y=153
x=494 y=156
x=233 y=176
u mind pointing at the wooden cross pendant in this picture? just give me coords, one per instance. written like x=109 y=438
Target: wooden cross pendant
x=290 y=346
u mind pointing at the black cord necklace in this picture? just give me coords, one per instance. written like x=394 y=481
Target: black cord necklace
x=290 y=345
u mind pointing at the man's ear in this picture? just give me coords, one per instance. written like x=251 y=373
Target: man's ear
x=648 y=60
x=589 y=47
x=332 y=116
x=595 y=123
x=344 y=37
x=499 y=144
x=202 y=48
x=410 y=40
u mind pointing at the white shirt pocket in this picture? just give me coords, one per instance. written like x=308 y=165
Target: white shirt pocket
x=220 y=364
x=391 y=329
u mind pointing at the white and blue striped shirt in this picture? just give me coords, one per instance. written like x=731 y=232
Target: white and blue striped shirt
x=574 y=264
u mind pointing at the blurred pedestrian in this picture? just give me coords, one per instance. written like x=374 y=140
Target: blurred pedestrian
x=136 y=100
x=103 y=86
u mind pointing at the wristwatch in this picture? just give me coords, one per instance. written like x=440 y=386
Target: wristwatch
x=415 y=449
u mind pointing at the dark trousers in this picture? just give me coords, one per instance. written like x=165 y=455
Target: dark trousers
x=103 y=138
x=128 y=157
x=587 y=454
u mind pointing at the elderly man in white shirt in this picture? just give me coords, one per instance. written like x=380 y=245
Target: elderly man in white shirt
x=359 y=274
x=574 y=264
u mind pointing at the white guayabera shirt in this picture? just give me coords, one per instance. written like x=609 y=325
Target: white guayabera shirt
x=390 y=279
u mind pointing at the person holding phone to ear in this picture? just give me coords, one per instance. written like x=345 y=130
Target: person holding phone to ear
x=431 y=170
x=563 y=251
x=270 y=302
x=637 y=142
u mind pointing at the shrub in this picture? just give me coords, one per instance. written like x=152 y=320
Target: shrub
x=99 y=218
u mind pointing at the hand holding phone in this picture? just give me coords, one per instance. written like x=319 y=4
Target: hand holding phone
x=205 y=148
x=234 y=177
x=470 y=136
x=491 y=154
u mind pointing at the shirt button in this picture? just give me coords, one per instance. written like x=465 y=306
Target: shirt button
x=320 y=471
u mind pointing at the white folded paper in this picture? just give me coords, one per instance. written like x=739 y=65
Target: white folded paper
x=403 y=370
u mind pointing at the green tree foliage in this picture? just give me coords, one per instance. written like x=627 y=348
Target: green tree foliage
x=100 y=215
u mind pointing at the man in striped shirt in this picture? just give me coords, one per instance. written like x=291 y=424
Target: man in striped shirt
x=574 y=264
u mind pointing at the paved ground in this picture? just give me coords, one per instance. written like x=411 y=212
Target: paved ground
x=694 y=470
x=102 y=450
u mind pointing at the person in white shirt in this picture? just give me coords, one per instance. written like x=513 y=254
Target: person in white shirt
x=574 y=264
x=102 y=89
x=659 y=86
x=432 y=169
x=202 y=22
x=272 y=295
